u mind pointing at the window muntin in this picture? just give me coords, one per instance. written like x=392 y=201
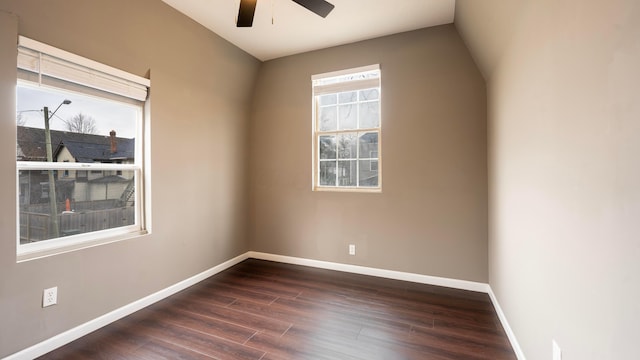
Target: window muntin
x=347 y=130
x=97 y=192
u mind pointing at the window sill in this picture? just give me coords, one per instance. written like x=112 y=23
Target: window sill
x=347 y=189
x=57 y=247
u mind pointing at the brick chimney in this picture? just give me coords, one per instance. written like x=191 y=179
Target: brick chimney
x=114 y=144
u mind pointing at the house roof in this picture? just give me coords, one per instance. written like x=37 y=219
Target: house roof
x=89 y=151
x=83 y=147
x=110 y=179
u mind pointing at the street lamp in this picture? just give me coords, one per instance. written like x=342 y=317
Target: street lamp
x=52 y=184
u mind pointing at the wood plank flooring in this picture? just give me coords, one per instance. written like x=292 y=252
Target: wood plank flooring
x=263 y=310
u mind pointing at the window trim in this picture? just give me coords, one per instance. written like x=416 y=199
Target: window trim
x=332 y=88
x=65 y=244
x=135 y=94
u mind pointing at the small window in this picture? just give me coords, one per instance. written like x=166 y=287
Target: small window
x=79 y=150
x=347 y=130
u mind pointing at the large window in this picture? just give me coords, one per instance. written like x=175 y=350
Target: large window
x=347 y=130
x=80 y=157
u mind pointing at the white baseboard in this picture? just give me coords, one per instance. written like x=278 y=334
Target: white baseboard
x=95 y=324
x=398 y=275
x=389 y=274
x=106 y=319
x=505 y=324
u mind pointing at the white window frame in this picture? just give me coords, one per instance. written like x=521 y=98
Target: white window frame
x=330 y=83
x=51 y=67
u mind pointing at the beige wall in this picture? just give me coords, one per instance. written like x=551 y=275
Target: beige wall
x=201 y=89
x=563 y=85
x=431 y=216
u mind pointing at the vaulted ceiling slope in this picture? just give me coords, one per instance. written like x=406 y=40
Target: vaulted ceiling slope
x=282 y=27
x=481 y=25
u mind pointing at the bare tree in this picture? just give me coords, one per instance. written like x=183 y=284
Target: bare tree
x=81 y=123
x=21 y=120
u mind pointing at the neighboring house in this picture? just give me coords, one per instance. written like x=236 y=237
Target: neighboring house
x=95 y=184
x=74 y=147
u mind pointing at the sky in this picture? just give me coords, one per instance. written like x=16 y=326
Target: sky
x=109 y=115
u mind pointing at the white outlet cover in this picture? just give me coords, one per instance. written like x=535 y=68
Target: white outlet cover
x=352 y=249
x=50 y=296
x=557 y=352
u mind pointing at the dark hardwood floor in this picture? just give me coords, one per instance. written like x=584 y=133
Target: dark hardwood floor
x=272 y=311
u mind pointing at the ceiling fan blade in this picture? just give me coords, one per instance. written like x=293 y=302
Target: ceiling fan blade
x=245 y=13
x=320 y=7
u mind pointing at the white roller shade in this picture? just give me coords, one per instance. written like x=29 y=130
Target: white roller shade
x=45 y=60
x=346 y=80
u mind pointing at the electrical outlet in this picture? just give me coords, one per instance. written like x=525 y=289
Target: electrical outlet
x=352 y=249
x=50 y=296
x=557 y=352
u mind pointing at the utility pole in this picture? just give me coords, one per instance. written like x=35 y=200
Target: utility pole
x=52 y=181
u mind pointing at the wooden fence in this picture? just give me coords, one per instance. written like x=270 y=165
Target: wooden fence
x=79 y=206
x=37 y=226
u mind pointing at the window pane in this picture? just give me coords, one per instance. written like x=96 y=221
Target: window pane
x=327 y=147
x=80 y=131
x=347 y=173
x=330 y=99
x=348 y=97
x=368 y=173
x=348 y=117
x=102 y=202
x=347 y=146
x=328 y=118
x=369 y=115
x=327 y=173
x=81 y=175
x=369 y=145
x=369 y=94
x=348 y=126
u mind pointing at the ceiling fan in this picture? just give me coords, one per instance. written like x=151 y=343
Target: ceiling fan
x=248 y=8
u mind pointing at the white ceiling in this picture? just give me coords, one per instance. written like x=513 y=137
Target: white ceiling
x=296 y=29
